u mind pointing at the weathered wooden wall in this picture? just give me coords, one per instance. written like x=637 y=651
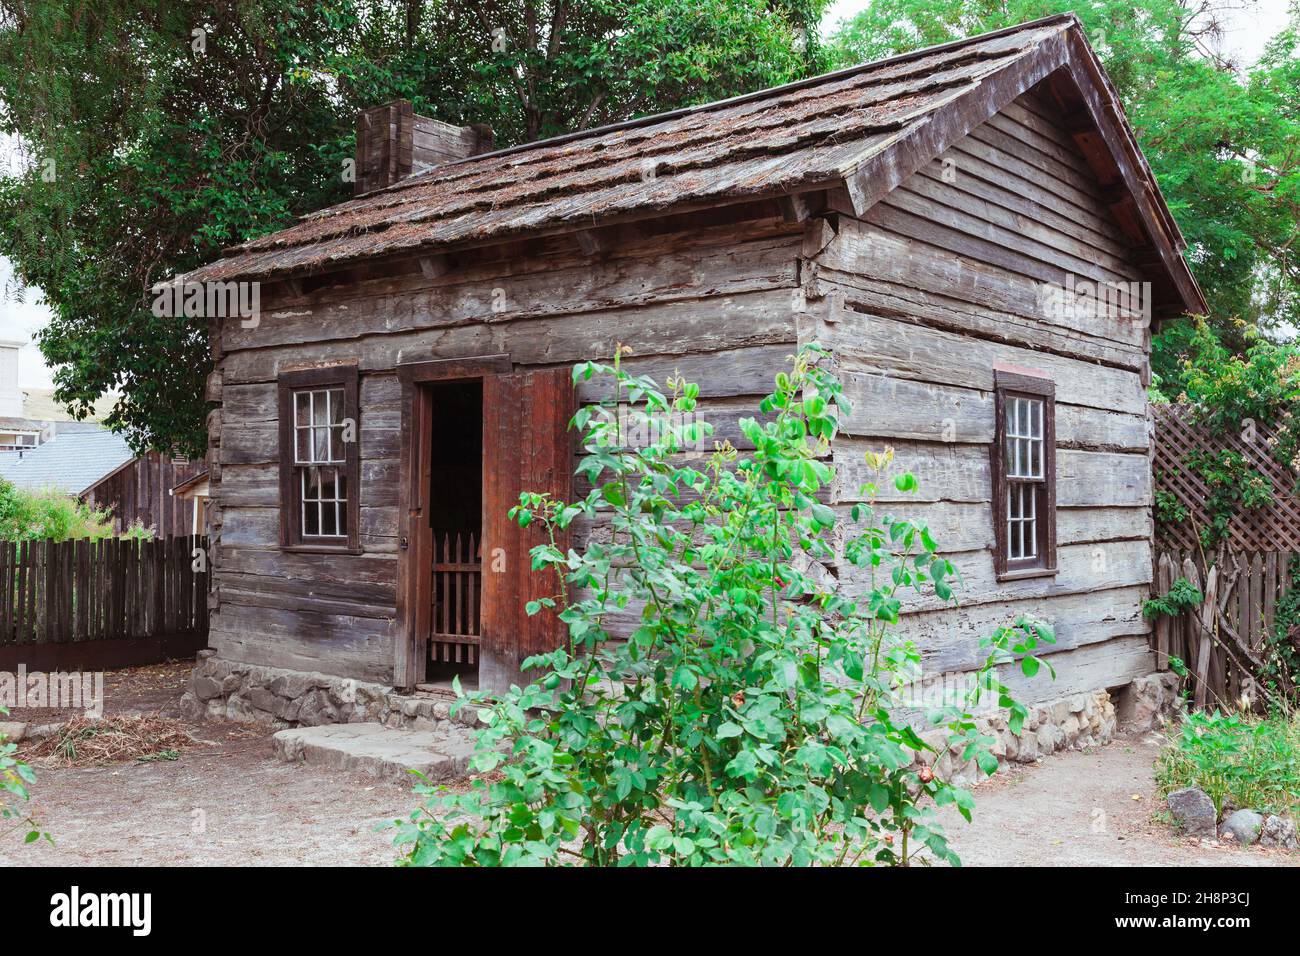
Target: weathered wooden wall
x=714 y=301
x=142 y=492
x=919 y=300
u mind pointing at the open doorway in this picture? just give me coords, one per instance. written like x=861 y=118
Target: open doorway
x=455 y=521
x=475 y=432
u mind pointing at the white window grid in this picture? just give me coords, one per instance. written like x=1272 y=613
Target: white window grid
x=320 y=454
x=1024 y=469
x=1024 y=438
x=1022 y=522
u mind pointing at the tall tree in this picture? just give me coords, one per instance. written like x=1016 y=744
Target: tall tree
x=160 y=131
x=1222 y=139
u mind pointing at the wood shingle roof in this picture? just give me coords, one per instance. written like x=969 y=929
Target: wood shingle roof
x=861 y=130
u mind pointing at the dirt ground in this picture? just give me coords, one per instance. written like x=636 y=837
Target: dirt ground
x=1091 y=808
x=228 y=800
x=155 y=688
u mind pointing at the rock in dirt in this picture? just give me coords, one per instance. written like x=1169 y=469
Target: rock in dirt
x=1194 y=811
x=1278 y=832
x=12 y=730
x=1242 y=826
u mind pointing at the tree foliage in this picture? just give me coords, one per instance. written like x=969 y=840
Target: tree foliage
x=1222 y=140
x=752 y=715
x=159 y=132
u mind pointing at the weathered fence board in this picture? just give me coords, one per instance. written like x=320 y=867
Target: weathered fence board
x=62 y=592
x=1225 y=641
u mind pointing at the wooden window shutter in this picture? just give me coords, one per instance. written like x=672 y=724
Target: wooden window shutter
x=527 y=446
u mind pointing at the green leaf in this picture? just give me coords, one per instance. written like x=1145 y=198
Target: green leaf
x=905 y=482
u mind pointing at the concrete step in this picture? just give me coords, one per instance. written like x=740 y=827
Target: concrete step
x=441 y=755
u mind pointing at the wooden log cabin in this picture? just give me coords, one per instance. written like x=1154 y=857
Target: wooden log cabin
x=934 y=218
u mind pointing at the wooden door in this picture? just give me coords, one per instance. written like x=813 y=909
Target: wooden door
x=527 y=446
x=416 y=549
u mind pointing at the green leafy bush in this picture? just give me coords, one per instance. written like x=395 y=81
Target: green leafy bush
x=1254 y=762
x=750 y=716
x=49 y=515
x=1182 y=596
x=15 y=777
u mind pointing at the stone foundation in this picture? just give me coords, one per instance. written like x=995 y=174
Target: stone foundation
x=1070 y=723
x=249 y=693
x=221 y=689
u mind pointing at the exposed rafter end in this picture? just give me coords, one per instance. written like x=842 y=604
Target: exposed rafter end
x=817 y=235
x=861 y=192
x=592 y=242
x=796 y=207
x=434 y=266
x=838 y=200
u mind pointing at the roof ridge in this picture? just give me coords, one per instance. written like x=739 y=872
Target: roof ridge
x=774 y=92
x=1067 y=17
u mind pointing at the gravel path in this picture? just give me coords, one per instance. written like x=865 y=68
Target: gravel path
x=1086 y=809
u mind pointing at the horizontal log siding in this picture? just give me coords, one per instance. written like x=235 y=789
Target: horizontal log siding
x=717 y=304
x=919 y=301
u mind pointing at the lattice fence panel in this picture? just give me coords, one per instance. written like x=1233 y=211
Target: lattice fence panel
x=1272 y=528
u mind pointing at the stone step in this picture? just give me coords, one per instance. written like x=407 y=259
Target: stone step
x=378 y=751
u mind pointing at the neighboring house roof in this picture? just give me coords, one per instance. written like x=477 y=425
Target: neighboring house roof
x=862 y=130
x=70 y=463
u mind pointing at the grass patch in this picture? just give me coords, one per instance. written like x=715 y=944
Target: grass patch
x=84 y=741
x=1249 y=761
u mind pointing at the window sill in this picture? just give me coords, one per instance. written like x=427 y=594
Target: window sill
x=1017 y=574
x=320 y=549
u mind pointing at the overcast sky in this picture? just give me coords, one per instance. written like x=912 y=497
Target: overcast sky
x=1247 y=30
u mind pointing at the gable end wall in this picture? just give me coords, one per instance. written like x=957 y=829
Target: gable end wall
x=920 y=299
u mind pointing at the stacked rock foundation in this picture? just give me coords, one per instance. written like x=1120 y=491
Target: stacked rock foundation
x=280 y=698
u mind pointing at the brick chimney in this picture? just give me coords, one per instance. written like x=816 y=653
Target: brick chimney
x=393 y=143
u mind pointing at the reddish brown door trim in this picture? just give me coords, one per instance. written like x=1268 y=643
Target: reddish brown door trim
x=444 y=370
x=415 y=552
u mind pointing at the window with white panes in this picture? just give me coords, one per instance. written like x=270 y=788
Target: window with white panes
x=1025 y=475
x=1023 y=460
x=319 y=459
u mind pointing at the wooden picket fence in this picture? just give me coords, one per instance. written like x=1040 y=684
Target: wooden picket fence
x=1224 y=642
x=67 y=592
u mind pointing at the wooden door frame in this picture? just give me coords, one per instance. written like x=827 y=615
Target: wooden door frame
x=415 y=577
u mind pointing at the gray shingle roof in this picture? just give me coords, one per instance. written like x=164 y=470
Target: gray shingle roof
x=70 y=463
x=787 y=139
x=858 y=131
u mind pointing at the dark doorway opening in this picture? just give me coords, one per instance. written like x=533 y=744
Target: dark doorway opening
x=455 y=519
